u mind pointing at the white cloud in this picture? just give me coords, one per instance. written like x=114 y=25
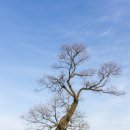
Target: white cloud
x=11 y=123
x=110 y=114
x=109 y=124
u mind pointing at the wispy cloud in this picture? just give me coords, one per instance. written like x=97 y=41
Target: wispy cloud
x=112 y=16
x=109 y=31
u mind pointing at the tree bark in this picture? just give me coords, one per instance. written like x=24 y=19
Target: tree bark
x=65 y=119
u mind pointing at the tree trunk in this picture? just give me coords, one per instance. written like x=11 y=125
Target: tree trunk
x=65 y=119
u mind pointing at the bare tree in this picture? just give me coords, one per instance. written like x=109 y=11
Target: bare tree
x=68 y=71
x=48 y=116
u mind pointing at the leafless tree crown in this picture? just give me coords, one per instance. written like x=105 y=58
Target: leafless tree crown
x=69 y=59
x=47 y=117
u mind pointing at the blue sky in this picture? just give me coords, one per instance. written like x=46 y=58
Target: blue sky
x=31 y=33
